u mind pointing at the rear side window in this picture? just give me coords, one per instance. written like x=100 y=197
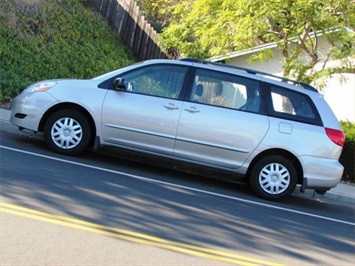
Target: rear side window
x=225 y=90
x=292 y=105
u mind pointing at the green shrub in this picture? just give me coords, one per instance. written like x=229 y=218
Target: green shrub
x=54 y=39
x=347 y=158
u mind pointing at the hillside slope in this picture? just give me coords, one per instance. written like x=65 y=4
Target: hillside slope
x=45 y=39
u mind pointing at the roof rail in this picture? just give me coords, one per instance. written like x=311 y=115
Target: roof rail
x=251 y=71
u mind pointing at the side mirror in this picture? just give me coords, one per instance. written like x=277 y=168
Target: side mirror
x=119 y=84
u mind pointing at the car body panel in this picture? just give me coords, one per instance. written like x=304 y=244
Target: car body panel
x=328 y=118
x=33 y=105
x=140 y=121
x=230 y=139
x=320 y=172
x=83 y=93
x=310 y=145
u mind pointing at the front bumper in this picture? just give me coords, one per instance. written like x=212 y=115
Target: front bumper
x=27 y=109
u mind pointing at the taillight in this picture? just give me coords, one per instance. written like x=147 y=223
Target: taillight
x=337 y=136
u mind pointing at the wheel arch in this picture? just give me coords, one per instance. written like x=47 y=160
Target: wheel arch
x=291 y=157
x=74 y=106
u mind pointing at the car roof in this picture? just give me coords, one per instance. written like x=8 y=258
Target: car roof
x=253 y=72
x=231 y=69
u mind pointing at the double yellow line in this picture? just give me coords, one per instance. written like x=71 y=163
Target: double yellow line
x=131 y=236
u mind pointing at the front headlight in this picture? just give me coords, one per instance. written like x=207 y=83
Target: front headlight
x=41 y=86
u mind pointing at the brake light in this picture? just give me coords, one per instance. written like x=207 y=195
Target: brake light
x=337 y=136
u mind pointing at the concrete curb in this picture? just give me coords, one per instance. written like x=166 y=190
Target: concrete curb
x=342 y=194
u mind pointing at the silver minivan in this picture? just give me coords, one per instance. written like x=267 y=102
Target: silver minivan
x=274 y=131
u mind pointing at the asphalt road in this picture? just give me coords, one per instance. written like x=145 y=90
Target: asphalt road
x=104 y=210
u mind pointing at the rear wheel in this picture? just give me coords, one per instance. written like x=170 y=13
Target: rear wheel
x=273 y=177
x=67 y=132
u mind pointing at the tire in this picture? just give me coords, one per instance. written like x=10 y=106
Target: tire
x=273 y=178
x=67 y=132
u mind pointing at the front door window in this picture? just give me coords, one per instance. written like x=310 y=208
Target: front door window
x=161 y=80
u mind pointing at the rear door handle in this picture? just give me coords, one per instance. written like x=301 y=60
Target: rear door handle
x=191 y=109
x=171 y=106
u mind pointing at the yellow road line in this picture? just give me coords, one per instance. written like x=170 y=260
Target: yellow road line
x=132 y=236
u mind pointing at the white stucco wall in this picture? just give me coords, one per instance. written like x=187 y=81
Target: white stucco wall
x=273 y=66
x=339 y=95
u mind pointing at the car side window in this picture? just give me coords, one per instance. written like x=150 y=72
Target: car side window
x=292 y=104
x=159 y=80
x=221 y=89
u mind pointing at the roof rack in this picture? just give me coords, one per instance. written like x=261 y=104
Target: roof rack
x=251 y=71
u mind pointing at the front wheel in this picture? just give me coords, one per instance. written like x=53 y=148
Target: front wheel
x=67 y=132
x=273 y=177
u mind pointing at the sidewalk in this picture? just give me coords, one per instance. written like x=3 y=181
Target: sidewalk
x=342 y=194
x=5 y=125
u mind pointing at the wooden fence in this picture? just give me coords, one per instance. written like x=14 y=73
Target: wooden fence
x=134 y=30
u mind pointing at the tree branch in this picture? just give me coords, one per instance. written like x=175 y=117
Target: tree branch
x=343 y=70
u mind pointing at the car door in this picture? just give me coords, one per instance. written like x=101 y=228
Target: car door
x=144 y=115
x=222 y=121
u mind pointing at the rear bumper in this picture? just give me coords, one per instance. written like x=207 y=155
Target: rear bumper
x=320 y=173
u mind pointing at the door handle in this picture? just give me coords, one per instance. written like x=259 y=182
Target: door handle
x=171 y=106
x=192 y=110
